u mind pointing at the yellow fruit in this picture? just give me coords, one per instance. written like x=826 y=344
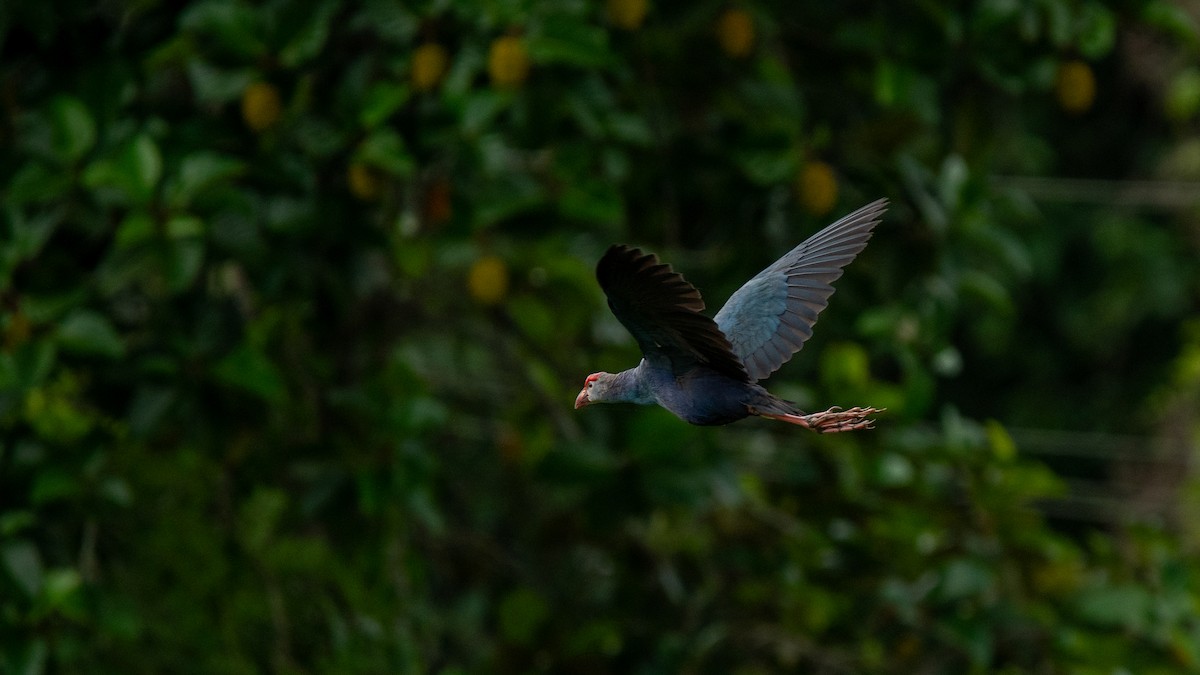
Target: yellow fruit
x=1075 y=87
x=508 y=61
x=364 y=182
x=735 y=33
x=488 y=280
x=428 y=65
x=817 y=187
x=627 y=14
x=261 y=106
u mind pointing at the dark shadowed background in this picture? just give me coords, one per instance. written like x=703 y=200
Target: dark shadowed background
x=295 y=298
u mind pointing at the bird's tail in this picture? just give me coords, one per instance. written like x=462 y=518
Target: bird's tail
x=766 y=404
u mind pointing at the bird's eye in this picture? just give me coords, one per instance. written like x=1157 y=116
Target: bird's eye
x=590 y=384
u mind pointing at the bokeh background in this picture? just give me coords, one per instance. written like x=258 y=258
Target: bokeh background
x=295 y=297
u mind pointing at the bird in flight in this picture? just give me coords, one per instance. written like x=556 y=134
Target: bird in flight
x=706 y=370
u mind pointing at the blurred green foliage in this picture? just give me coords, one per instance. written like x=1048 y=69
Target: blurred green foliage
x=296 y=296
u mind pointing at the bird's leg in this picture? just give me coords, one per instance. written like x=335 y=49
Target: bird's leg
x=835 y=419
x=831 y=421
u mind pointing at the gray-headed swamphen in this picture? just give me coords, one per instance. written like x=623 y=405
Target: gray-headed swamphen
x=706 y=370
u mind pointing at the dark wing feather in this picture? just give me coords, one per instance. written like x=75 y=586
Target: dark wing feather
x=662 y=312
x=768 y=319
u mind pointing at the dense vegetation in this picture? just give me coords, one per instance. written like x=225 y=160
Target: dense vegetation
x=296 y=296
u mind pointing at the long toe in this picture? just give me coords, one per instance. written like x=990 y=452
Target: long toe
x=835 y=419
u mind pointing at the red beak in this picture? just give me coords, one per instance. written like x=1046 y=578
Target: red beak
x=582 y=399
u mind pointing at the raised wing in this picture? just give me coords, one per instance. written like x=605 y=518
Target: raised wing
x=769 y=318
x=662 y=311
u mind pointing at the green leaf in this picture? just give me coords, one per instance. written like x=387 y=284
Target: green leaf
x=198 y=172
x=963 y=578
x=149 y=407
x=1097 y=29
x=307 y=42
x=394 y=22
x=53 y=485
x=30 y=233
x=184 y=226
x=32 y=363
x=134 y=172
x=185 y=260
x=977 y=284
x=250 y=370
x=480 y=108
x=125 y=267
x=49 y=308
x=768 y=167
x=319 y=138
x=952 y=180
x=571 y=41
x=845 y=366
x=36 y=183
x=13 y=522
x=424 y=509
x=24 y=566
x=776 y=106
x=171 y=54
x=1173 y=19
x=466 y=66
x=30 y=658
x=232 y=26
x=888 y=87
x=215 y=86
x=629 y=128
x=1183 y=97
x=1001 y=441
x=61 y=592
x=894 y=470
x=383 y=99
x=975 y=636
x=385 y=149
x=1058 y=22
x=585 y=114
x=534 y=318
x=74 y=128
x=505 y=199
x=87 y=332
x=116 y=491
x=137 y=228
x=260 y=517
x=522 y=612
x=603 y=636
x=142 y=163
x=592 y=201
x=1120 y=606
x=286 y=214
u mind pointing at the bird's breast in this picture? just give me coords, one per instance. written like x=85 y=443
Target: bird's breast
x=701 y=396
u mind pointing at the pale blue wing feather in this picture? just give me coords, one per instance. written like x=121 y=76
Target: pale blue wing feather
x=770 y=317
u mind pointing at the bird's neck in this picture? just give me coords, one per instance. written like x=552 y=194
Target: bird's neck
x=629 y=386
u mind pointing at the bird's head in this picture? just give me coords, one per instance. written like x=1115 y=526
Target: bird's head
x=595 y=389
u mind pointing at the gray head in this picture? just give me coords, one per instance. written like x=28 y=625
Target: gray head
x=595 y=389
